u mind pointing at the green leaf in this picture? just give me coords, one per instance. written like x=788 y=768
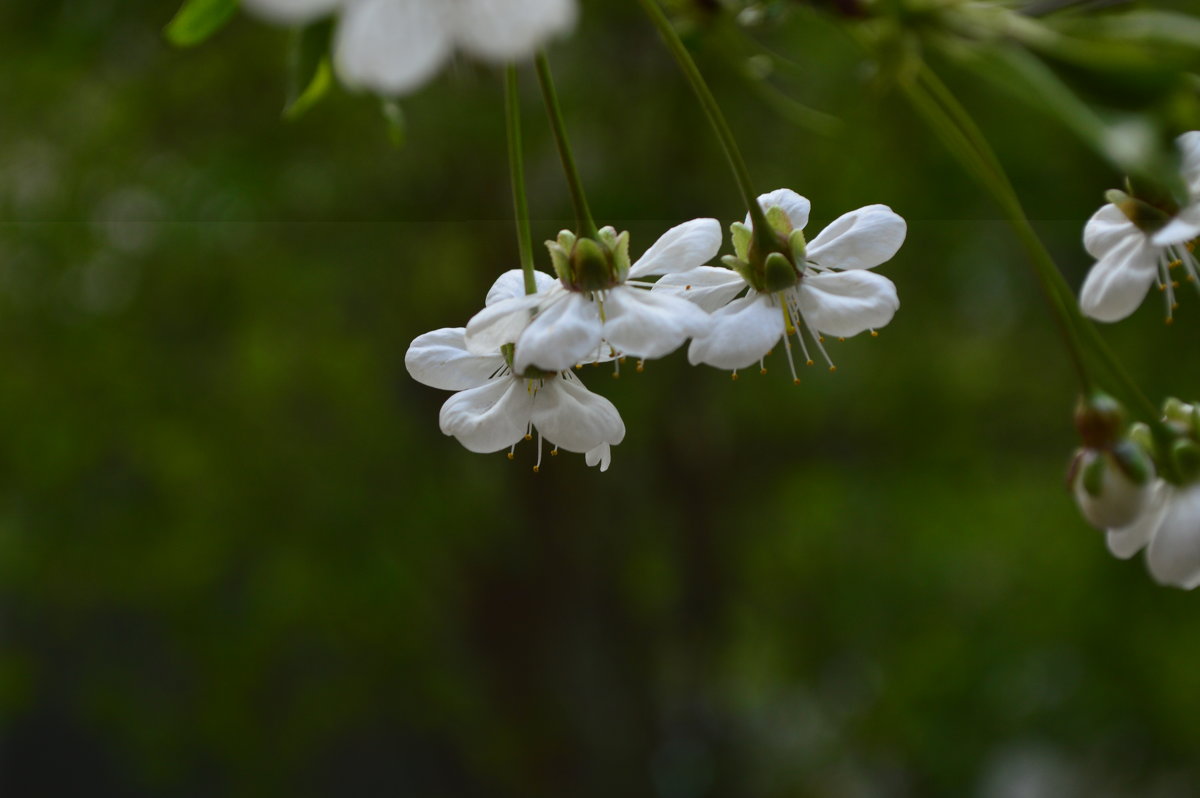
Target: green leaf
x=397 y=128
x=196 y=20
x=310 y=75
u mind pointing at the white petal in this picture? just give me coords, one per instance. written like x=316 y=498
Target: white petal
x=795 y=206
x=291 y=12
x=440 y=359
x=566 y=333
x=1118 y=282
x=573 y=418
x=644 y=324
x=489 y=418
x=1129 y=540
x=1174 y=553
x=1107 y=228
x=601 y=456
x=390 y=46
x=847 y=303
x=503 y=322
x=1184 y=227
x=739 y=334
x=683 y=247
x=1189 y=148
x=509 y=30
x=710 y=287
x=861 y=239
x=511 y=285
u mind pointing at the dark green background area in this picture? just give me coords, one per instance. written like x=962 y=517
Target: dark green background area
x=237 y=556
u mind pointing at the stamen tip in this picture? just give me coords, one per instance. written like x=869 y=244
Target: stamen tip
x=833 y=368
x=808 y=363
x=733 y=376
x=528 y=437
x=536 y=469
x=762 y=371
x=874 y=333
x=843 y=340
x=554 y=452
x=511 y=456
x=796 y=381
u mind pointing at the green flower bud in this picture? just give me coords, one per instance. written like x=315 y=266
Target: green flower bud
x=779 y=273
x=1100 y=420
x=1133 y=462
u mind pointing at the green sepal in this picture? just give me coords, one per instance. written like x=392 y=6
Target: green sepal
x=1186 y=455
x=1133 y=462
x=1148 y=218
x=618 y=249
x=197 y=20
x=798 y=246
x=741 y=267
x=1093 y=476
x=590 y=266
x=560 y=256
x=310 y=75
x=779 y=273
x=778 y=219
x=742 y=236
x=1141 y=435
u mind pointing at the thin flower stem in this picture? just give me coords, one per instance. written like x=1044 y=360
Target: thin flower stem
x=584 y=224
x=962 y=135
x=715 y=118
x=516 y=165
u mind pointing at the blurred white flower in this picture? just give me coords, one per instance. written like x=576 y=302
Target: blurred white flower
x=394 y=46
x=827 y=285
x=1109 y=495
x=593 y=313
x=496 y=407
x=1169 y=529
x=1133 y=255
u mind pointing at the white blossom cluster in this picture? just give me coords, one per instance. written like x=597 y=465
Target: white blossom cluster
x=511 y=365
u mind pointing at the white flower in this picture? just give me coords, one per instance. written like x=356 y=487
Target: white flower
x=1132 y=257
x=495 y=407
x=830 y=288
x=1115 y=498
x=593 y=313
x=1169 y=529
x=393 y=46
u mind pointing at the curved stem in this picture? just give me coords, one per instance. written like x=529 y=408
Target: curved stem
x=584 y=224
x=715 y=118
x=516 y=167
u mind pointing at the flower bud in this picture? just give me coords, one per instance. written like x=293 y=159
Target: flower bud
x=1112 y=490
x=1099 y=419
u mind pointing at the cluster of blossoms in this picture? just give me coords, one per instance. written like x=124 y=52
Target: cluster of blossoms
x=511 y=364
x=1143 y=486
x=1142 y=503
x=393 y=46
x=1138 y=241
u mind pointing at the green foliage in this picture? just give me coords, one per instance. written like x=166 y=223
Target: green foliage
x=310 y=76
x=197 y=20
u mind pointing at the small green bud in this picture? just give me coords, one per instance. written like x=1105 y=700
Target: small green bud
x=1141 y=435
x=779 y=273
x=1186 y=455
x=585 y=264
x=741 y=235
x=1180 y=415
x=1099 y=419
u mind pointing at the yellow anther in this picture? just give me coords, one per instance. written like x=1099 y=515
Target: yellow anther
x=616 y=375
x=763 y=371
x=641 y=366
x=1174 y=283
x=874 y=333
x=769 y=351
x=536 y=469
x=1170 y=320
x=554 y=452
x=833 y=368
x=528 y=437
x=808 y=363
x=1162 y=287
x=796 y=381
x=821 y=339
x=843 y=340
x=578 y=365
x=733 y=376
x=621 y=361
x=1174 y=264
x=511 y=456
x=687 y=288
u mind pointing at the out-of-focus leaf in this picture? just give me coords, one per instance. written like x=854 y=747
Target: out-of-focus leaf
x=310 y=75
x=1147 y=27
x=197 y=20
x=397 y=126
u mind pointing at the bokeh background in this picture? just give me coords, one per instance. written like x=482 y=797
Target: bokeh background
x=237 y=556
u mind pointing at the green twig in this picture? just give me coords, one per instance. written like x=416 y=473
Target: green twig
x=584 y=224
x=516 y=166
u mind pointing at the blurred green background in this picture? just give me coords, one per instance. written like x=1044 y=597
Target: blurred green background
x=237 y=556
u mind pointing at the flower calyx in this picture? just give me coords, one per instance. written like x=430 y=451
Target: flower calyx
x=591 y=264
x=773 y=261
x=1111 y=474
x=1148 y=213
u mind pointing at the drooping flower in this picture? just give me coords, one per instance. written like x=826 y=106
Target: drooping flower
x=394 y=46
x=601 y=308
x=496 y=406
x=1137 y=244
x=1112 y=477
x=820 y=287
